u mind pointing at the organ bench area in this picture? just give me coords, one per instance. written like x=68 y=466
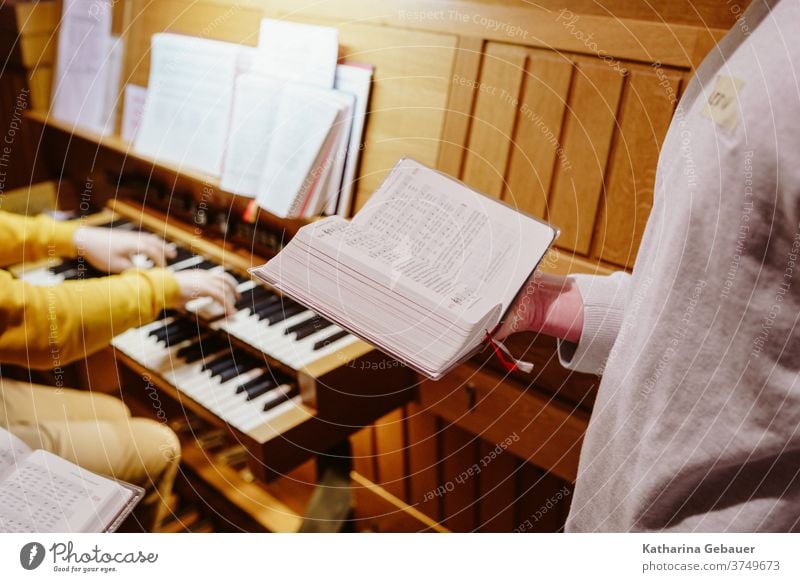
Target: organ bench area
x=558 y=109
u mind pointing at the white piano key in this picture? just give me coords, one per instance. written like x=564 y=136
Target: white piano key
x=301 y=361
x=265 y=417
x=248 y=411
x=186 y=263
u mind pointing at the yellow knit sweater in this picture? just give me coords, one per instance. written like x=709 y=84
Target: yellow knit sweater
x=46 y=327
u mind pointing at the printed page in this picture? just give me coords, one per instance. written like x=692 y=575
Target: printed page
x=300 y=53
x=255 y=114
x=314 y=198
x=46 y=493
x=356 y=80
x=12 y=451
x=458 y=244
x=189 y=97
x=83 y=66
x=336 y=162
x=378 y=261
x=305 y=119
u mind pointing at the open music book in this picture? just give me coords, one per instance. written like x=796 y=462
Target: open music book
x=425 y=271
x=42 y=493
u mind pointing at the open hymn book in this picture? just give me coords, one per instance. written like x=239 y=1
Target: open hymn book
x=425 y=271
x=42 y=493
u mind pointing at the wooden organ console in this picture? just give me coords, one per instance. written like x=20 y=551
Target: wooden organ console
x=512 y=99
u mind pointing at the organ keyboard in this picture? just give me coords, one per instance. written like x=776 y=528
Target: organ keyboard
x=288 y=383
x=54 y=270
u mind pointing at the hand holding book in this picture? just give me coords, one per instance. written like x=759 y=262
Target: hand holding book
x=548 y=304
x=424 y=271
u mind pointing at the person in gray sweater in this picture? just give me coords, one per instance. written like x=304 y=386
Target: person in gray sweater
x=696 y=426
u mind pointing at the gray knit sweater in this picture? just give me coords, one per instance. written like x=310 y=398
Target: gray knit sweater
x=696 y=426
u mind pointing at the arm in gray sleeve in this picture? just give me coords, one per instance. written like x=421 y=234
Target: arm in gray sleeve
x=604 y=299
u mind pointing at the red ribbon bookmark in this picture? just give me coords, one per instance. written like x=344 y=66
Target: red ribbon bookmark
x=501 y=351
x=250 y=212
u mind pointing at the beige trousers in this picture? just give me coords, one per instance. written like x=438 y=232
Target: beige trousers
x=97 y=432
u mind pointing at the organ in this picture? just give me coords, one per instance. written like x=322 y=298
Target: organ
x=533 y=114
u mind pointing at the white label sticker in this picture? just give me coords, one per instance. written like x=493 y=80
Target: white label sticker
x=722 y=106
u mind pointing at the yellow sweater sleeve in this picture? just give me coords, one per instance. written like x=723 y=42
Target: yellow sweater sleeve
x=33 y=238
x=47 y=327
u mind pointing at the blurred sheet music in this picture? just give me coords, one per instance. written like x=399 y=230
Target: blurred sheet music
x=85 y=62
x=302 y=53
x=255 y=111
x=190 y=93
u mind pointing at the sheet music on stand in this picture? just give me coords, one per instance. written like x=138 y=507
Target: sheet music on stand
x=253 y=123
x=189 y=98
x=355 y=79
x=298 y=53
x=281 y=123
x=294 y=164
x=88 y=66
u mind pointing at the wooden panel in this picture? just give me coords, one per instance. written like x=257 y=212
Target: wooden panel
x=537 y=146
x=378 y=510
x=214 y=20
x=423 y=461
x=497 y=489
x=363 y=453
x=539 y=429
x=459 y=105
x=493 y=120
x=20 y=166
x=460 y=487
x=645 y=114
x=409 y=95
x=390 y=454
x=541 y=501
x=587 y=139
x=640 y=34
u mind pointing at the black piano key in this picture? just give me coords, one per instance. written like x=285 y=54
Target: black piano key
x=205 y=347
x=267 y=375
x=312 y=329
x=187 y=351
x=206 y=265
x=237 y=370
x=294 y=391
x=330 y=339
x=300 y=325
x=223 y=357
x=231 y=370
x=161 y=332
x=262 y=388
x=219 y=363
x=266 y=308
x=252 y=296
x=284 y=314
x=184 y=333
